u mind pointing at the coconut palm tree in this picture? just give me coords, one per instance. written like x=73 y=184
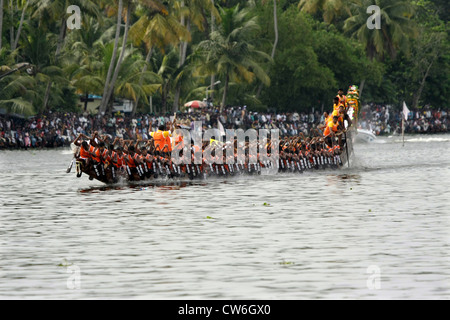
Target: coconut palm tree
x=83 y=62
x=107 y=88
x=157 y=28
x=230 y=53
x=130 y=82
x=38 y=48
x=275 y=41
x=24 y=6
x=397 y=28
x=112 y=78
x=17 y=94
x=16 y=88
x=192 y=12
x=330 y=9
x=56 y=9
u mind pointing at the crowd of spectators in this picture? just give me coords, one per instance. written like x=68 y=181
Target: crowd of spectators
x=385 y=120
x=60 y=129
x=52 y=130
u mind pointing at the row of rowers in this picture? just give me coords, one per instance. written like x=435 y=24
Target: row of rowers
x=132 y=155
x=139 y=163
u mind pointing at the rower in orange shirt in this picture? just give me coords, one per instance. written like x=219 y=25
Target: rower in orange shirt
x=331 y=130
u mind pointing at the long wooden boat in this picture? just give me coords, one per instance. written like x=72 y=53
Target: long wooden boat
x=166 y=170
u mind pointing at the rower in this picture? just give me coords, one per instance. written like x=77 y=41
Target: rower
x=131 y=163
x=98 y=159
x=331 y=130
x=118 y=159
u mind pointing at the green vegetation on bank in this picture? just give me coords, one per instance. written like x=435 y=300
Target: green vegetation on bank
x=282 y=55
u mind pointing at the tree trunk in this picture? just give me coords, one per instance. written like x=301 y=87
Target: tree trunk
x=225 y=91
x=422 y=85
x=11 y=15
x=141 y=80
x=151 y=104
x=183 y=53
x=361 y=87
x=86 y=101
x=1 y=22
x=176 y=98
x=164 y=99
x=109 y=108
x=275 y=42
x=47 y=94
x=62 y=35
x=183 y=49
x=183 y=24
x=22 y=17
x=213 y=77
x=122 y=54
x=213 y=80
x=104 y=102
x=185 y=43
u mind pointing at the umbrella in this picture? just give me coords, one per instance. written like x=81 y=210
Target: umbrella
x=195 y=104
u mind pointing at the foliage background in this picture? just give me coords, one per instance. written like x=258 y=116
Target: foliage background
x=165 y=53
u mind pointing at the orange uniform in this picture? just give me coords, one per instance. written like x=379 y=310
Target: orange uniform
x=162 y=138
x=331 y=127
x=84 y=154
x=96 y=155
x=337 y=114
x=343 y=100
x=130 y=160
x=120 y=161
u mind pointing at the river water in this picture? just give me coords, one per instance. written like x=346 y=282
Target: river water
x=379 y=230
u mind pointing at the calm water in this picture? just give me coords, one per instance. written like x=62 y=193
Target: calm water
x=378 y=230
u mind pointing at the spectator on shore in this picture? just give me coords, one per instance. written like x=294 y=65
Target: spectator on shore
x=384 y=120
x=60 y=129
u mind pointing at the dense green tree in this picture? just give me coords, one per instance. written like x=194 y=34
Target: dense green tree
x=230 y=53
x=278 y=54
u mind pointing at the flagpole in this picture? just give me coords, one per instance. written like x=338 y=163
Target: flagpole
x=403 y=130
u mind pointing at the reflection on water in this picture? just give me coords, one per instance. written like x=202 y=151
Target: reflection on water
x=161 y=184
x=316 y=235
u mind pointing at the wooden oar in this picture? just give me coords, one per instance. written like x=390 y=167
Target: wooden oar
x=346 y=148
x=70 y=166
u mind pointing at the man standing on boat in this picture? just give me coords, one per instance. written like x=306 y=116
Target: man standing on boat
x=161 y=139
x=332 y=129
x=342 y=116
x=342 y=98
x=336 y=103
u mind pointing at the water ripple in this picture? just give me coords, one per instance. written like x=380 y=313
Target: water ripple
x=310 y=236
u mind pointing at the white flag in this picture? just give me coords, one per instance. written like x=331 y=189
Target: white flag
x=221 y=129
x=405 y=111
